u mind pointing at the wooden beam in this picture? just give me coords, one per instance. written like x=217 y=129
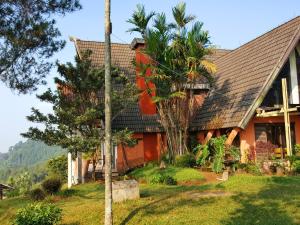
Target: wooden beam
x=276 y=112
x=287 y=124
x=234 y=132
x=209 y=135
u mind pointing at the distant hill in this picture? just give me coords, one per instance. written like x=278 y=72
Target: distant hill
x=3 y=156
x=25 y=155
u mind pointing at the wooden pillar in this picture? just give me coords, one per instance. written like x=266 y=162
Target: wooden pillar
x=234 y=132
x=70 y=169
x=1 y=194
x=294 y=93
x=287 y=124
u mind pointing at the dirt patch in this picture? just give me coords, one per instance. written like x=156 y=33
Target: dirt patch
x=209 y=178
x=207 y=194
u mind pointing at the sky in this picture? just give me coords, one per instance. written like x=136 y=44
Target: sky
x=230 y=23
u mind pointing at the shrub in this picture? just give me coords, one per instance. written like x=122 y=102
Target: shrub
x=253 y=169
x=186 y=160
x=38 y=214
x=203 y=153
x=163 y=179
x=58 y=166
x=157 y=179
x=296 y=166
x=218 y=148
x=168 y=180
x=52 y=185
x=67 y=192
x=37 y=194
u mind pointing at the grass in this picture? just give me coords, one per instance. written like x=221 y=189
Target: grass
x=180 y=174
x=254 y=200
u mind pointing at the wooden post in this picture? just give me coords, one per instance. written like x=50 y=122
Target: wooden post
x=1 y=194
x=287 y=124
x=108 y=219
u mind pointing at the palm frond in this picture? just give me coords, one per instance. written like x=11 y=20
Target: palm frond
x=180 y=16
x=140 y=20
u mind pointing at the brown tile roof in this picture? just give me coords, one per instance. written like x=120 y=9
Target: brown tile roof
x=122 y=56
x=244 y=76
x=134 y=120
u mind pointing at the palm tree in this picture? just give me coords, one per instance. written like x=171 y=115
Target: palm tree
x=178 y=56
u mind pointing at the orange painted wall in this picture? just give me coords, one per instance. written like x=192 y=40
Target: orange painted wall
x=145 y=101
x=150 y=146
x=135 y=155
x=247 y=136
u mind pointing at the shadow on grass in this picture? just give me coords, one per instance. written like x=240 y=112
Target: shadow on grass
x=169 y=192
x=275 y=204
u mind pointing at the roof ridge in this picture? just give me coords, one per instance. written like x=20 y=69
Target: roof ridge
x=102 y=42
x=295 y=18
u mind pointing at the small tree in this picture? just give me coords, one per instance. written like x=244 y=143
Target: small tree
x=125 y=138
x=177 y=55
x=76 y=123
x=58 y=167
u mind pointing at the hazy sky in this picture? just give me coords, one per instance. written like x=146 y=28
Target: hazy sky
x=230 y=23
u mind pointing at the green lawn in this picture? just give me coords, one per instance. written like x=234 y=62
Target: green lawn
x=180 y=174
x=252 y=200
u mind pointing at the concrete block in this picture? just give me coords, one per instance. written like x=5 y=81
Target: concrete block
x=125 y=190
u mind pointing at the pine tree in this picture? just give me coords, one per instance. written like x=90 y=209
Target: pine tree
x=28 y=39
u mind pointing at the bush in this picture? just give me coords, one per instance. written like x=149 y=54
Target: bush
x=52 y=185
x=37 y=194
x=168 y=180
x=186 y=160
x=38 y=214
x=253 y=169
x=67 y=192
x=157 y=179
x=58 y=166
x=296 y=166
x=163 y=179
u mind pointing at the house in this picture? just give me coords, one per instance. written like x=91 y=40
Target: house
x=245 y=102
x=2 y=188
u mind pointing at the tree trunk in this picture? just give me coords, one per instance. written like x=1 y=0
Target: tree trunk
x=125 y=158
x=108 y=156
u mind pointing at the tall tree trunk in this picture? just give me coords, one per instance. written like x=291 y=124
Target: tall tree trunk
x=108 y=156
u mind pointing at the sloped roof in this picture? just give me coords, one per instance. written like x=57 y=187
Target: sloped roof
x=244 y=76
x=122 y=56
x=4 y=186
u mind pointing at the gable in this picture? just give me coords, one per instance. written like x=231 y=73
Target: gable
x=244 y=77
